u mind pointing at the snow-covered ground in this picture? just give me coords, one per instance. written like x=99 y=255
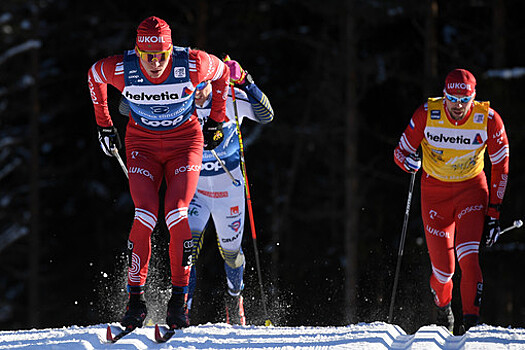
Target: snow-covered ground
x=376 y=335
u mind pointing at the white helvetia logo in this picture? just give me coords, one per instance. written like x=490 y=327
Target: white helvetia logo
x=157 y=95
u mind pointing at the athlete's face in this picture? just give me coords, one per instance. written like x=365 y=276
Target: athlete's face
x=201 y=95
x=456 y=107
x=155 y=67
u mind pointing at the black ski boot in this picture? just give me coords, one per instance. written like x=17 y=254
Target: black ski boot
x=177 y=315
x=234 y=309
x=469 y=321
x=445 y=317
x=136 y=312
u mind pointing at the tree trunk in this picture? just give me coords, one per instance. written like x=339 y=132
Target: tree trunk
x=350 y=161
x=34 y=205
x=431 y=45
x=498 y=33
x=201 y=25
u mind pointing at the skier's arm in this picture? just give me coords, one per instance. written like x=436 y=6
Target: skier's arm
x=207 y=67
x=104 y=72
x=498 y=150
x=241 y=79
x=262 y=109
x=411 y=137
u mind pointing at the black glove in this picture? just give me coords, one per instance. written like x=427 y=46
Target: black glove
x=491 y=230
x=213 y=134
x=109 y=139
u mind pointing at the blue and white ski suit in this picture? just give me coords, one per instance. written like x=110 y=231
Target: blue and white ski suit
x=216 y=193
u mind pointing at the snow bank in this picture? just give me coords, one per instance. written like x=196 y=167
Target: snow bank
x=376 y=335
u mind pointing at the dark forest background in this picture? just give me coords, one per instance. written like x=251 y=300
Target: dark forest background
x=343 y=77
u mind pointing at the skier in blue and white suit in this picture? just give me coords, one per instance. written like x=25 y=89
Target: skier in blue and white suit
x=217 y=195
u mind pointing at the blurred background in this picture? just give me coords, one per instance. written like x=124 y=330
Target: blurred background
x=343 y=77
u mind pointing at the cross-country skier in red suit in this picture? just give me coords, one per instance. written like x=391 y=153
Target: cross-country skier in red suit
x=454 y=131
x=163 y=140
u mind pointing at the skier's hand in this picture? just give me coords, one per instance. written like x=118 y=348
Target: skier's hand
x=491 y=230
x=212 y=132
x=109 y=139
x=412 y=163
x=237 y=74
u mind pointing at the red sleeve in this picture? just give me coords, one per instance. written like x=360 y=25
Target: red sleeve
x=411 y=138
x=498 y=150
x=204 y=66
x=106 y=71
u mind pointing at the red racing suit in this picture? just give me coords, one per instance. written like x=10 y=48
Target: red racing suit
x=158 y=147
x=454 y=191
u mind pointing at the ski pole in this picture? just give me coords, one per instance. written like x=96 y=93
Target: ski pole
x=235 y=182
x=115 y=153
x=401 y=246
x=267 y=322
x=515 y=224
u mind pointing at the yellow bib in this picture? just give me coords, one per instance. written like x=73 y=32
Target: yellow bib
x=452 y=152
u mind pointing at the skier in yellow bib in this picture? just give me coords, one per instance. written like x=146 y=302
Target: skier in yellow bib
x=456 y=204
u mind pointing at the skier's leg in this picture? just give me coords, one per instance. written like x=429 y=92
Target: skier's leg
x=439 y=234
x=144 y=175
x=182 y=175
x=234 y=263
x=228 y=215
x=144 y=182
x=198 y=216
x=470 y=220
x=180 y=190
x=438 y=221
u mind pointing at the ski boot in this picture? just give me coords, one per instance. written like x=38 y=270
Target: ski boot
x=445 y=317
x=469 y=321
x=136 y=312
x=234 y=309
x=177 y=315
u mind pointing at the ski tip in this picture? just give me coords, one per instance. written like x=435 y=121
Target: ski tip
x=158 y=336
x=109 y=335
x=168 y=333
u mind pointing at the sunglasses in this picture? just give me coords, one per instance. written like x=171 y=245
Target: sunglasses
x=455 y=99
x=159 y=56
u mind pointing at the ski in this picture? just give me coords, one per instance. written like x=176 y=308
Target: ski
x=162 y=338
x=114 y=338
